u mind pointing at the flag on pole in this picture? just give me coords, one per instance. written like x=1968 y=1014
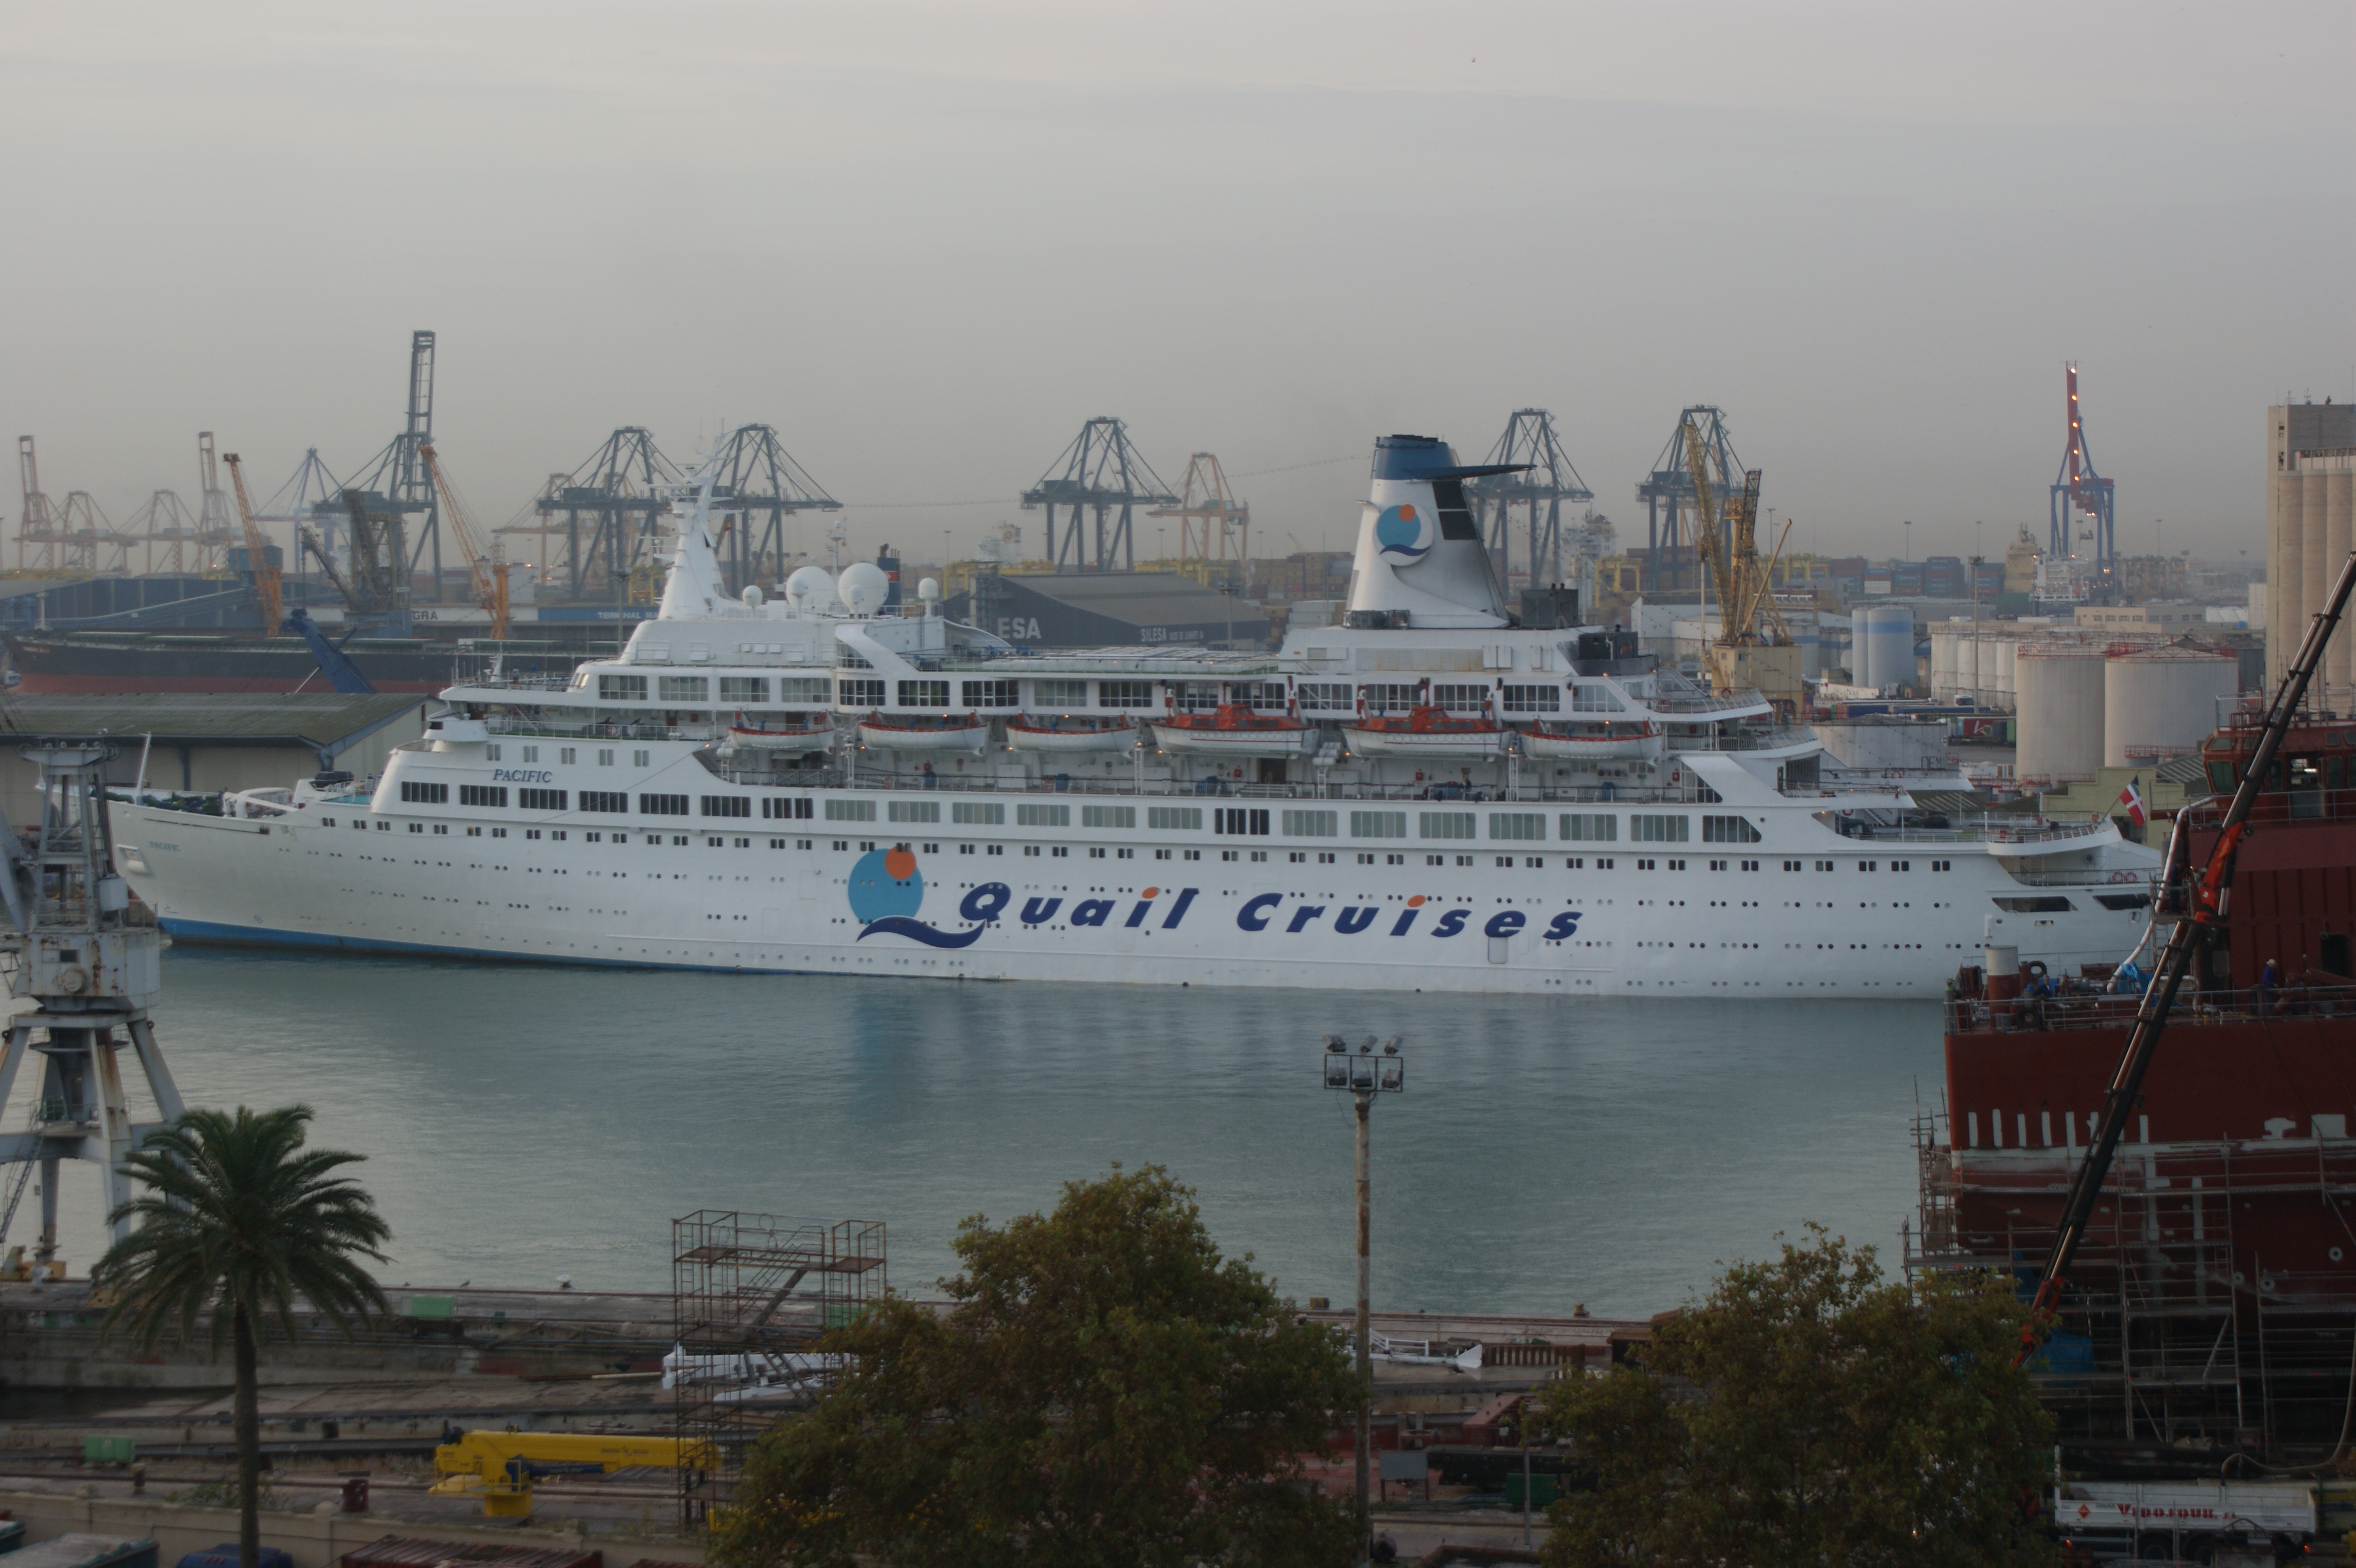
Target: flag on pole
x=2131 y=798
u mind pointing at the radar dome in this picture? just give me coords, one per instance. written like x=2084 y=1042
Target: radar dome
x=753 y=596
x=809 y=587
x=929 y=589
x=862 y=588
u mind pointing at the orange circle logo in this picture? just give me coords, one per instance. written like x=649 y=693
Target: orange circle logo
x=1416 y=902
x=900 y=863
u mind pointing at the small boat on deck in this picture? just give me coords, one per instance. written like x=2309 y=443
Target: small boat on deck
x=953 y=732
x=1426 y=731
x=1234 y=730
x=1064 y=733
x=1596 y=743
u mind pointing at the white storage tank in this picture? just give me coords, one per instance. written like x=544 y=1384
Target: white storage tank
x=1943 y=662
x=2006 y=682
x=2163 y=701
x=1886 y=635
x=2060 y=711
x=1967 y=667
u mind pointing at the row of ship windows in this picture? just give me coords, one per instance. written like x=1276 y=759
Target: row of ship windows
x=1311 y=696
x=1252 y=822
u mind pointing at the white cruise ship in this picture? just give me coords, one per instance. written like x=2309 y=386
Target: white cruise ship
x=1427 y=796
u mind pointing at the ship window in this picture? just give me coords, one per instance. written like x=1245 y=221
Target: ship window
x=1258 y=694
x=1455 y=517
x=531 y=754
x=1125 y=694
x=1059 y=693
x=1444 y=824
x=1517 y=825
x=604 y=800
x=990 y=694
x=1533 y=699
x=638 y=758
x=923 y=694
x=839 y=810
x=483 y=794
x=786 y=808
x=1390 y=699
x=1240 y=820
x=1727 y=830
x=682 y=688
x=1378 y=824
x=540 y=799
x=2121 y=900
x=1194 y=855
x=986 y=811
x=427 y=794
x=1596 y=699
x=801 y=689
x=2042 y=904
x=605 y=757
x=621 y=688
x=381 y=827
x=1457 y=699
x=744 y=688
x=1323 y=697
x=912 y=811
x=1043 y=816
x=1311 y=824
x=1188 y=819
x=662 y=805
x=1060 y=851
x=726 y=805
x=358 y=826
x=1591 y=827
x=564 y=755
x=417 y=827
x=1824 y=866
x=860 y=693
x=1107 y=816
x=1650 y=828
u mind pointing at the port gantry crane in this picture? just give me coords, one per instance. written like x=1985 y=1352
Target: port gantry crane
x=491 y=574
x=1744 y=655
x=2205 y=902
x=269 y=587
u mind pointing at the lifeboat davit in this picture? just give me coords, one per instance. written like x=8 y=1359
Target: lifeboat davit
x=954 y=732
x=1029 y=734
x=1234 y=731
x=1426 y=732
x=1597 y=743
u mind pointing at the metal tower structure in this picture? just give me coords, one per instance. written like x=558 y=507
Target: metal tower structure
x=1670 y=524
x=40 y=531
x=92 y=964
x=168 y=527
x=758 y=482
x=616 y=492
x=377 y=587
x=1213 y=527
x=1546 y=481
x=1099 y=471
x=104 y=549
x=298 y=502
x=400 y=474
x=216 y=529
x=2081 y=505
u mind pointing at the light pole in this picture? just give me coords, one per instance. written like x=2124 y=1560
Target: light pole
x=1364 y=1075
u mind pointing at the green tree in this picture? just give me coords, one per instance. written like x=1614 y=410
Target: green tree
x=1810 y=1412
x=237 y=1221
x=1105 y=1391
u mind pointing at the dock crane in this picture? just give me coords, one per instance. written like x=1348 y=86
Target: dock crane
x=267 y=582
x=2205 y=904
x=491 y=574
x=1742 y=656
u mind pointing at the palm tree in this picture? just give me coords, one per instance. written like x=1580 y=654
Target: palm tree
x=238 y=1220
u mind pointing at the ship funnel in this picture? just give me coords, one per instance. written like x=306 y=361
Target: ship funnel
x=1419 y=561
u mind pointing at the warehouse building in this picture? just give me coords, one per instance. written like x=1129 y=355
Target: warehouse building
x=1103 y=609
x=203 y=745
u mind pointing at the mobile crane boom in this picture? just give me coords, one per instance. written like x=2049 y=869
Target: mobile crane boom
x=267 y=582
x=490 y=575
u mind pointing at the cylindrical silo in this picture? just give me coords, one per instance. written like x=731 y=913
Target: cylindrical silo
x=1967 y=667
x=2164 y=701
x=2317 y=568
x=2008 y=675
x=2339 y=538
x=1943 y=663
x=2286 y=579
x=1888 y=631
x=2060 y=709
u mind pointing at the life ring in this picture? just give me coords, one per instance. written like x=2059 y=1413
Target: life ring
x=2127 y=877
x=2034 y=969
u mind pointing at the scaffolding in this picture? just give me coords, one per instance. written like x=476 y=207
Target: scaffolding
x=2175 y=1329
x=749 y=1295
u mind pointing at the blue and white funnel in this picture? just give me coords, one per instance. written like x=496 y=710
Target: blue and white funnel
x=1420 y=549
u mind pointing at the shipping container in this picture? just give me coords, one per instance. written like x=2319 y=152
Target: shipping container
x=399 y=1551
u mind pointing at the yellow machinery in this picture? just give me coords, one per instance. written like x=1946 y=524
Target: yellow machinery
x=491 y=574
x=1742 y=656
x=266 y=581
x=503 y=1466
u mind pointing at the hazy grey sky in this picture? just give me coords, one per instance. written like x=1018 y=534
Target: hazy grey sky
x=926 y=241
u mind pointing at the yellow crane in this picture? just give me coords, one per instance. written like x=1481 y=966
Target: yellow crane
x=502 y=1465
x=491 y=574
x=1742 y=656
x=267 y=583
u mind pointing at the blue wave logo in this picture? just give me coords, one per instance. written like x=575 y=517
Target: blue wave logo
x=887 y=889
x=1398 y=534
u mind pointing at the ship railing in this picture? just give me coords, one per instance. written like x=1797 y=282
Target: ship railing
x=2278 y=806
x=2112 y=1010
x=1769 y=740
x=2137 y=881
x=1243 y=790
x=519 y=724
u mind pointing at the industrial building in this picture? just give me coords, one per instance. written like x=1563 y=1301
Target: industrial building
x=2166 y=620
x=203 y=745
x=2310 y=528
x=1100 y=609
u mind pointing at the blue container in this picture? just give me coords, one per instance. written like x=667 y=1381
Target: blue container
x=225 y=1557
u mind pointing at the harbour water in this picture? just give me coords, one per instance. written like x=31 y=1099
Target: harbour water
x=523 y=1123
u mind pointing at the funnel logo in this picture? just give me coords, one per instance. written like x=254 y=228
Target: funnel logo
x=886 y=890
x=1398 y=532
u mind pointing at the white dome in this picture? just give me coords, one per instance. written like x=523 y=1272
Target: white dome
x=753 y=596
x=862 y=587
x=929 y=589
x=809 y=587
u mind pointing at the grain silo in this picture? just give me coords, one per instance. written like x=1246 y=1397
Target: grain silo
x=1886 y=635
x=2060 y=711
x=1943 y=663
x=1967 y=666
x=2006 y=682
x=2163 y=701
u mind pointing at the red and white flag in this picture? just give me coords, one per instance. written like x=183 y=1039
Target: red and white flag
x=2131 y=798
